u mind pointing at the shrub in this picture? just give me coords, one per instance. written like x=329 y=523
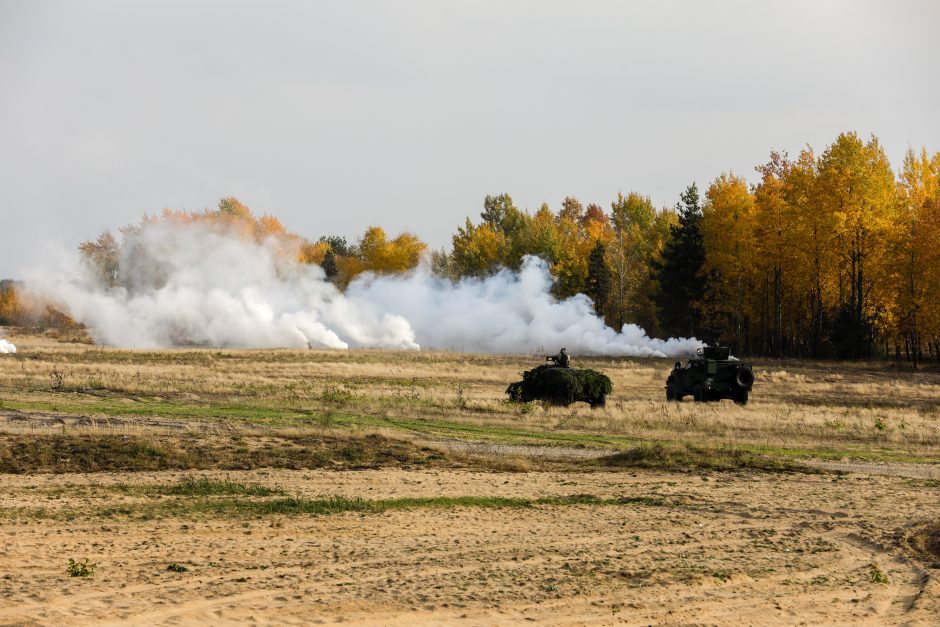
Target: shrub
x=80 y=569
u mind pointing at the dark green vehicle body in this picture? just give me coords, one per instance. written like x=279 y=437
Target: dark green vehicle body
x=561 y=386
x=711 y=376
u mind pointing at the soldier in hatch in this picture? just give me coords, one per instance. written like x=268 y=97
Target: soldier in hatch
x=562 y=359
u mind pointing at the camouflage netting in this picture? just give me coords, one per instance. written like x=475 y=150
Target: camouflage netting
x=561 y=386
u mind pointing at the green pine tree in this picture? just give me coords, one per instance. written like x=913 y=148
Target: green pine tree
x=598 y=279
x=329 y=264
x=681 y=288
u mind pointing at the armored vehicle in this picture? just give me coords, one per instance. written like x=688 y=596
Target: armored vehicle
x=560 y=385
x=711 y=376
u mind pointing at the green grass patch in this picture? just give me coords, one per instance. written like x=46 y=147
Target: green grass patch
x=77 y=403
x=283 y=415
x=203 y=486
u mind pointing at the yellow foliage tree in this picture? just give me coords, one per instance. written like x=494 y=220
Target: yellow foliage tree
x=384 y=256
x=638 y=234
x=478 y=250
x=856 y=187
x=916 y=256
x=728 y=230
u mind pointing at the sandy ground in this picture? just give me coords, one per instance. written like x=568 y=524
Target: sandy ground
x=726 y=548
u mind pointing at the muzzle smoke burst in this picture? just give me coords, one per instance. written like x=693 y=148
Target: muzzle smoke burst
x=6 y=347
x=195 y=285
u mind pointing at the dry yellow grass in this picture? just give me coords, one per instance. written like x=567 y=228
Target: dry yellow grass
x=801 y=406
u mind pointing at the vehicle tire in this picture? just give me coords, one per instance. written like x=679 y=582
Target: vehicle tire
x=744 y=378
x=698 y=394
x=740 y=397
x=670 y=392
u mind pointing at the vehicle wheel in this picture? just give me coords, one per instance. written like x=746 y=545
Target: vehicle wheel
x=670 y=392
x=698 y=394
x=744 y=378
x=740 y=397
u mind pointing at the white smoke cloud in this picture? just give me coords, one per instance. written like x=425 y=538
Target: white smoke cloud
x=506 y=313
x=193 y=284
x=6 y=347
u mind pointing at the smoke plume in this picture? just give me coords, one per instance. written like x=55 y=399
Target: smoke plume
x=6 y=347
x=197 y=285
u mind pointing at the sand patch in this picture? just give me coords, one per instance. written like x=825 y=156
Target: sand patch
x=719 y=548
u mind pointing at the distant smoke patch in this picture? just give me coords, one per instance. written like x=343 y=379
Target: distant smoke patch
x=508 y=312
x=198 y=285
x=6 y=347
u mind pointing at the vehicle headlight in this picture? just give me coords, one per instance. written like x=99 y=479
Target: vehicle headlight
x=709 y=382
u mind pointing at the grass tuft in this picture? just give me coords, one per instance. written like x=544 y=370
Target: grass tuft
x=203 y=486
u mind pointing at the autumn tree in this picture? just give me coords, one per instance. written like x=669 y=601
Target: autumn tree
x=230 y=207
x=857 y=188
x=571 y=209
x=503 y=216
x=774 y=243
x=813 y=262
x=102 y=258
x=313 y=253
x=570 y=268
x=728 y=234
x=9 y=303
x=916 y=254
x=640 y=232
x=442 y=264
x=478 y=250
x=538 y=236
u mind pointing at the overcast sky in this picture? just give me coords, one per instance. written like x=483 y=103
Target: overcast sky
x=337 y=115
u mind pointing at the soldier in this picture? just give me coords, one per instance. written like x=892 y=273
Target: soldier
x=562 y=359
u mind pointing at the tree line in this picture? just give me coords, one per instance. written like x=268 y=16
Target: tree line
x=828 y=256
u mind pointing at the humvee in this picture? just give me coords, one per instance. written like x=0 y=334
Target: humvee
x=711 y=376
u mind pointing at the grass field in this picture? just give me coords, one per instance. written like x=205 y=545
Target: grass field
x=798 y=408
x=266 y=478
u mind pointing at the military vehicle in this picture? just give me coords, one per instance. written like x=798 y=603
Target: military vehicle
x=560 y=385
x=711 y=376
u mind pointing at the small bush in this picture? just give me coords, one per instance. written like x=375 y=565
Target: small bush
x=176 y=568
x=336 y=395
x=80 y=569
x=875 y=575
